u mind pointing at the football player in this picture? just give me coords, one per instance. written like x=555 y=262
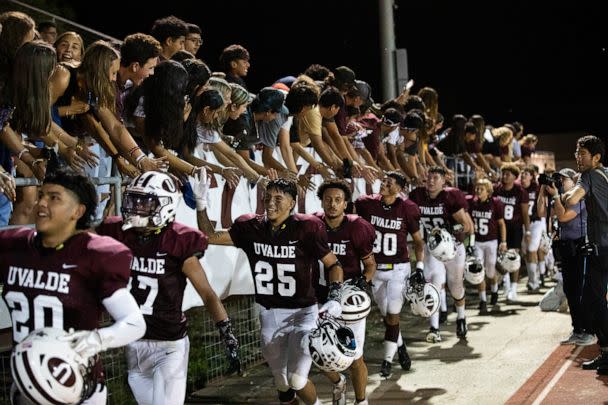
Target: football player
x=165 y=255
x=488 y=216
x=283 y=248
x=515 y=199
x=444 y=207
x=393 y=218
x=351 y=238
x=535 y=258
x=60 y=276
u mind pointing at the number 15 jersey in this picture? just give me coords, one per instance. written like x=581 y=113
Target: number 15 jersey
x=392 y=224
x=282 y=261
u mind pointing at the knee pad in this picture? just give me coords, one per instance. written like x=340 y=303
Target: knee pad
x=297 y=382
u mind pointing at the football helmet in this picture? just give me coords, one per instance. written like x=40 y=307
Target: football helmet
x=331 y=345
x=423 y=298
x=47 y=370
x=473 y=270
x=150 y=201
x=441 y=244
x=545 y=242
x=509 y=261
x=356 y=304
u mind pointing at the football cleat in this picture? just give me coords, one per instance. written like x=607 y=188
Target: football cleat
x=599 y=361
x=483 y=308
x=494 y=298
x=461 y=328
x=404 y=357
x=443 y=317
x=433 y=336
x=385 y=369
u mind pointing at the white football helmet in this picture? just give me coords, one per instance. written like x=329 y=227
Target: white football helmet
x=423 y=298
x=473 y=270
x=509 y=261
x=150 y=201
x=331 y=345
x=545 y=242
x=47 y=370
x=441 y=244
x=356 y=304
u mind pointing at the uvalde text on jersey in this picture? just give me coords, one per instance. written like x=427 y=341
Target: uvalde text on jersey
x=39 y=279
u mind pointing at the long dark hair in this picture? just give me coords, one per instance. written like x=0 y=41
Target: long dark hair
x=15 y=25
x=34 y=64
x=209 y=98
x=164 y=102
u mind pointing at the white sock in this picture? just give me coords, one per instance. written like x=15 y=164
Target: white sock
x=443 y=301
x=435 y=320
x=531 y=267
x=542 y=267
x=482 y=295
x=494 y=287
x=506 y=282
x=514 y=286
x=399 y=340
x=317 y=402
x=390 y=348
x=460 y=312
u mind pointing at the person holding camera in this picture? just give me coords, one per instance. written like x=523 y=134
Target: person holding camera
x=593 y=187
x=571 y=232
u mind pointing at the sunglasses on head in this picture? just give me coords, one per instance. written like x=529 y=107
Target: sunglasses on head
x=389 y=122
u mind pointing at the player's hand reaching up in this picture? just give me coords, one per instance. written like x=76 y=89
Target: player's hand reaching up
x=200 y=188
x=87 y=343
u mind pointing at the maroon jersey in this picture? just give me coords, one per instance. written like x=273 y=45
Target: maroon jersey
x=485 y=216
x=350 y=242
x=439 y=212
x=512 y=199
x=157 y=281
x=532 y=191
x=392 y=224
x=59 y=288
x=282 y=261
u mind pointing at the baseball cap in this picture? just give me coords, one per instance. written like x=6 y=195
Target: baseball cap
x=273 y=99
x=412 y=121
x=344 y=75
x=567 y=172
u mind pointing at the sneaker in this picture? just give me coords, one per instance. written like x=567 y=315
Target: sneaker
x=570 y=340
x=494 y=298
x=483 y=308
x=339 y=392
x=443 y=317
x=404 y=357
x=385 y=369
x=585 y=339
x=461 y=328
x=599 y=361
x=433 y=336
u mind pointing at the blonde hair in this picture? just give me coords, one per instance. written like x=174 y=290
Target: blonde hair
x=510 y=167
x=487 y=184
x=530 y=138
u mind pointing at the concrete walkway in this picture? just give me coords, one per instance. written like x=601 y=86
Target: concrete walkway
x=501 y=352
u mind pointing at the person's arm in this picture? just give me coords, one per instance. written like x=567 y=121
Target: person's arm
x=502 y=230
x=270 y=162
x=418 y=246
x=369 y=267
x=564 y=214
x=286 y=150
x=325 y=153
x=13 y=141
x=338 y=140
x=525 y=217
x=319 y=166
x=541 y=202
x=193 y=269
x=175 y=163
x=231 y=174
x=392 y=155
x=237 y=160
x=462 y=218
x=573 y=196
x=336 y=273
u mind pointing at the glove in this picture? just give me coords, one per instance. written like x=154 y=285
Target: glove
x=87 y=343
x=200 y=188
x=418 y=276
x=362 y=283
x=470 y=251
x=332 y=308
x=232 y=346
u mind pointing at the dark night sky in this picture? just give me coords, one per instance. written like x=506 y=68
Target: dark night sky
x=545 y=67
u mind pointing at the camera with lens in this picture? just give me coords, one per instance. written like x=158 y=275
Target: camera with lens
x=587 y=249
x=554 y=180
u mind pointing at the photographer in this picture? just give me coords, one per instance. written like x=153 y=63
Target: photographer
x=593 y=186
x=571 y=232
